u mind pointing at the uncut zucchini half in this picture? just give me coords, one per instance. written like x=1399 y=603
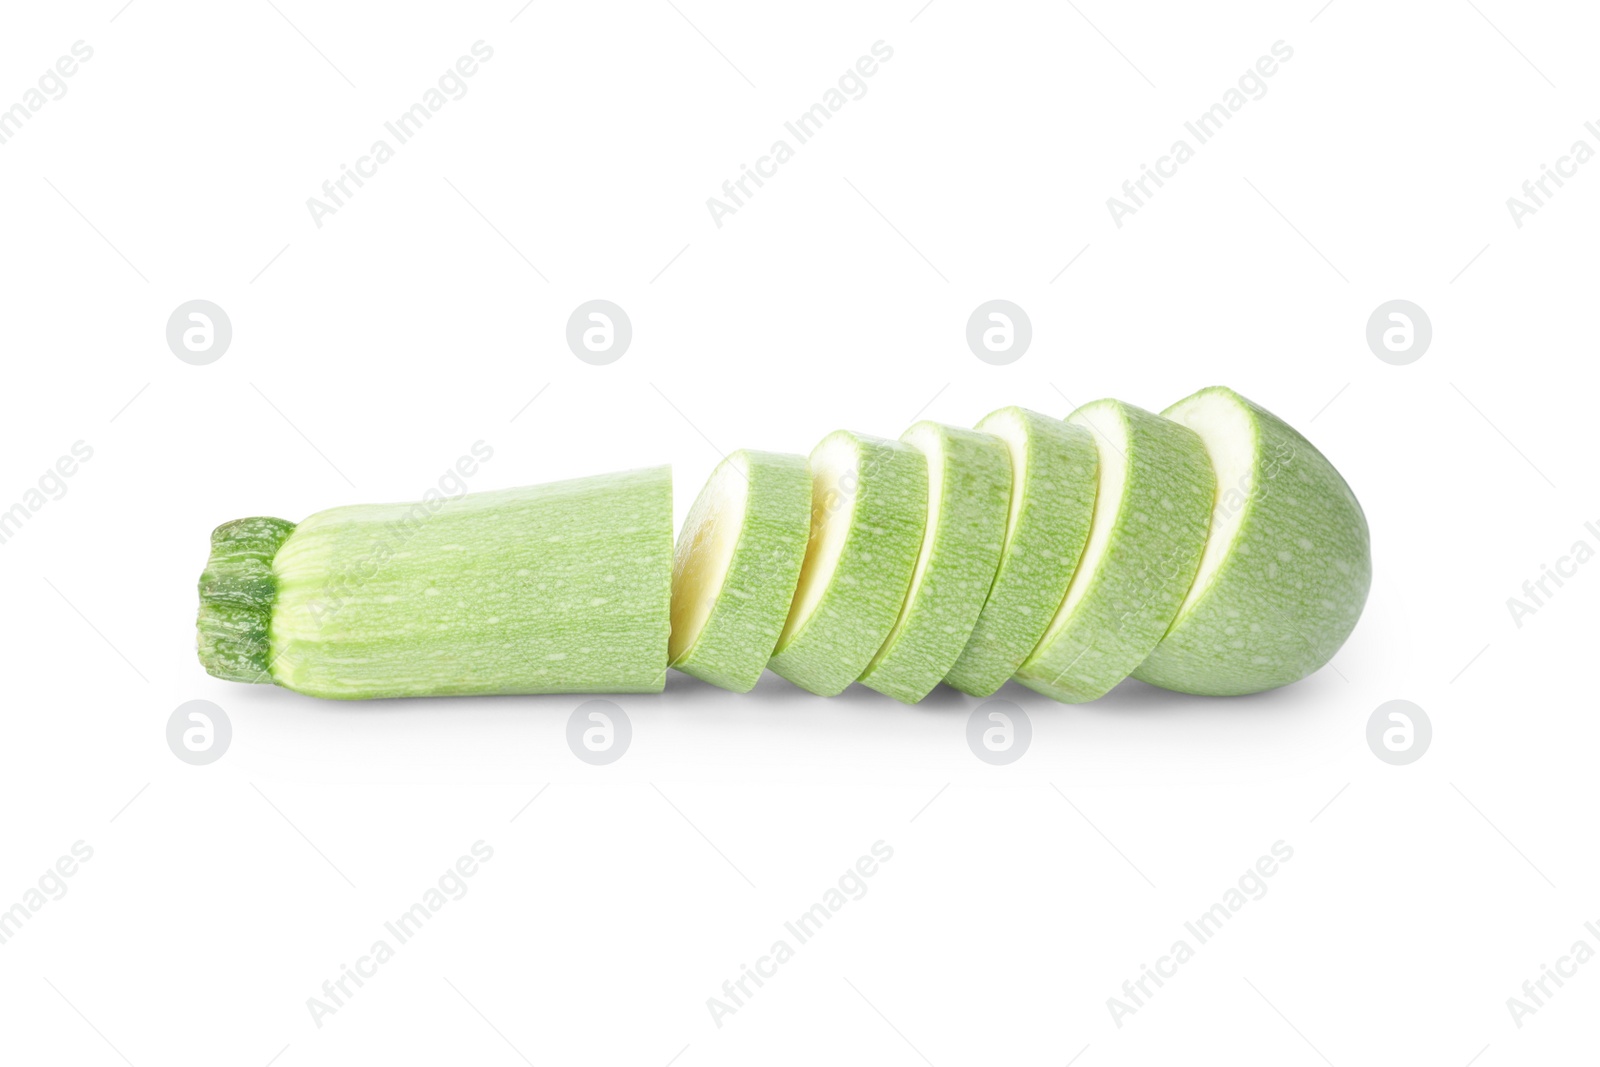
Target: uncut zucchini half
x=737 y=562
x=558 y=588
x=1286 y=566
x=1151 y=514
x=869 y=501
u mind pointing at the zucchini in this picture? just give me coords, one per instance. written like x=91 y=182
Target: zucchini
x=869 y=500
x=1287 y=563
x=1210 y=550
x=1052 y=499
x=559 y=588
x=1151 y=513
x=969 y=494
x=736 y=566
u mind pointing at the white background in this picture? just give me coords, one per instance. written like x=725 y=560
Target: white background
x=371 y=352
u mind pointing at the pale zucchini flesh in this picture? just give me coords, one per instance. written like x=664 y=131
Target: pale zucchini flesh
x=736 y=565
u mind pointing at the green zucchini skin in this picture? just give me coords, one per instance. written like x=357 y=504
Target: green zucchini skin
x=558 y=588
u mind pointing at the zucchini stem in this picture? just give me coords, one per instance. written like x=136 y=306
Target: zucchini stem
x=237 y=592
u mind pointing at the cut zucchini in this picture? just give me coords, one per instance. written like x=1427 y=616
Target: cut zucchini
x=969 y=494
x=1286 y=566
x=1052 y=501
x=1212 y=550
x=869 y=501
x=1151 y=513
x=736 y=566
x=560 y=588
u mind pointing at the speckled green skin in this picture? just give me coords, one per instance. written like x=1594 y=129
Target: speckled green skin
x=968 y=534
x=560 y=588
x=237 y=591
x=748 y=614
x=1057 y=481
x=1155 y=548
x=1290 y=589
x=862 y=602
